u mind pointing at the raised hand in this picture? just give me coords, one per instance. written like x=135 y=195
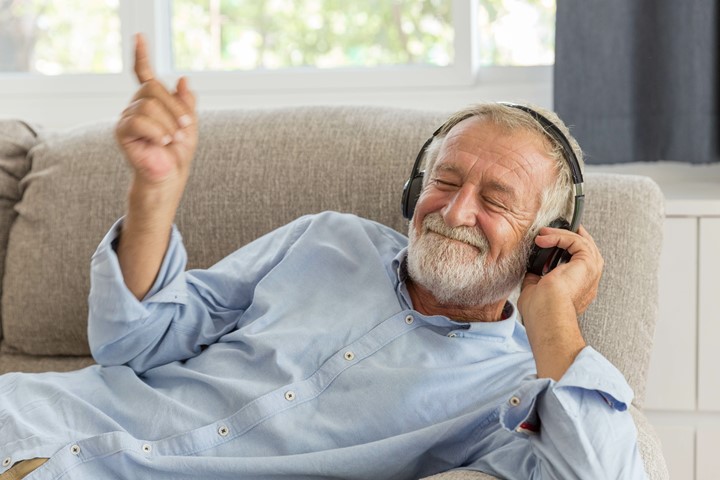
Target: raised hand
x=158 y=133
x=158 y=130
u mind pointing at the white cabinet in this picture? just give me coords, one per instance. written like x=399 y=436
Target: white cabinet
x=708 y=316
x=683 y=395
x=683 y=391
x=671 y=379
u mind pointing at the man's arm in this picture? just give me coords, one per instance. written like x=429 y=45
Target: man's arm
x=158 y=134
x=550 y=305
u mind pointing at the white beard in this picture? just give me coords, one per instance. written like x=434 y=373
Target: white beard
x=460 y=274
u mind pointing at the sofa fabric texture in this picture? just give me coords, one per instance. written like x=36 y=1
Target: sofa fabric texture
x=254 y=171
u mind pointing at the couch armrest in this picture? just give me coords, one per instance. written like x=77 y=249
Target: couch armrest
x=650 y=447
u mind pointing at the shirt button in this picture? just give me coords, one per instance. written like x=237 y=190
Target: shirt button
x=514 y=401
x=452 y=334
x=147 y=448
x=349 y=356
x=7 y=462
x=409 y=319
x=223 y=431
x=289 y=395
x=75 y=449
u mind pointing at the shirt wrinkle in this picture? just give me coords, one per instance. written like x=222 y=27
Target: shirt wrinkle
x=310 y=378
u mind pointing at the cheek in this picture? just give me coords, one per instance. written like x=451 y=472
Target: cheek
x=429 y=202
x=501 y=236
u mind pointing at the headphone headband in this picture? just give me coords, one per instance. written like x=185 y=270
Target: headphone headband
x=413 y=185
x=541 y=260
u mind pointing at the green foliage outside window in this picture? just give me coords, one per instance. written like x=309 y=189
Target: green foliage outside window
x=68 y=36
x=78 y=36
x=266 y=34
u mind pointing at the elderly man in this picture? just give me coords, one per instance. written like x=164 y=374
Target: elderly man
x=333 y=347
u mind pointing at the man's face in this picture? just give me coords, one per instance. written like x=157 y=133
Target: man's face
x=469 y=237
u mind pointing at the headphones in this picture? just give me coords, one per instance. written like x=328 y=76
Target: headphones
x=541 y=260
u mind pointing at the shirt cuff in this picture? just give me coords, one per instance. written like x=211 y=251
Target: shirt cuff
x=589 y=372
x=169 y=285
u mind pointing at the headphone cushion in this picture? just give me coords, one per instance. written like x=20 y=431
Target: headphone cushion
x=543 y=260
x=411 y=193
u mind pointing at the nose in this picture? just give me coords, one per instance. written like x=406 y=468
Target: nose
x=462 y=209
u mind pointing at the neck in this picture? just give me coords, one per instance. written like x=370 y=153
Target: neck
x=425 y=303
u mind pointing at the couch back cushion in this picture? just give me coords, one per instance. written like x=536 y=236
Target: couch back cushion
x=255 y=170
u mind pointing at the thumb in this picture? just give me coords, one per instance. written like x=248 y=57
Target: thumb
x=183 y=91
x=530 y=279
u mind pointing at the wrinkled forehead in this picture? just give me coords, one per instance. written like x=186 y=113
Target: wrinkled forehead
x=479 y=137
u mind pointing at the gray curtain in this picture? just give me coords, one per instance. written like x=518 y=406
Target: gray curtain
x=639 y=80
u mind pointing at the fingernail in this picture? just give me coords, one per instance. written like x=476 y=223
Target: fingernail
x=166 y=140
x=185 y=121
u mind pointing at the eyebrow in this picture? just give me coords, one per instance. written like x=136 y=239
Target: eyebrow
x=448 y=167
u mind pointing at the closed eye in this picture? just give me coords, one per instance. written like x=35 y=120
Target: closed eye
x=444 y=184
x=494 y=203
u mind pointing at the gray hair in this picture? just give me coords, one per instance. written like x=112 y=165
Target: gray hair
x=558 y=200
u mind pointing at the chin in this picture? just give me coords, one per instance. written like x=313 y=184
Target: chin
x=461 y=275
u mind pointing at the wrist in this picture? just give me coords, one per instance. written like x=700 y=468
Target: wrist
x=150 y=204
x=555 y=338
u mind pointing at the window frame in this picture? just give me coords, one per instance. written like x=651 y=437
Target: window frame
x=152 y=18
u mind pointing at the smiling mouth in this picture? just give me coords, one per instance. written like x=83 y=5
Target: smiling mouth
x=461 y=242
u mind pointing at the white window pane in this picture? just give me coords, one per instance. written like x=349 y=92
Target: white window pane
x=517 y=32
x=276 y=34
x=53 y=37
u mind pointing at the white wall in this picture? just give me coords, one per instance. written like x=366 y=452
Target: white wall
x=69 y=101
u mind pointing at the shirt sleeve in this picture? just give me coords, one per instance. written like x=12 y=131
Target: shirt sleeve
x=577 y=427
x=184 y=311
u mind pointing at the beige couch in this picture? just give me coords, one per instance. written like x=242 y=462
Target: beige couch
x=256 y=170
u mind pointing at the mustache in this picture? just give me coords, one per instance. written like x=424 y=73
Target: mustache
x=434 y=223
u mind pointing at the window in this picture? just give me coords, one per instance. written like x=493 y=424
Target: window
x=278 y=34
x=72 y=36
x=236 y=45
x=516 y=32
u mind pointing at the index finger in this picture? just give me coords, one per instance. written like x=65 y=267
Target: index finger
x=562 y=238
x=143 y=70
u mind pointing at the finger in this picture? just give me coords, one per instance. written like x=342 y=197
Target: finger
x=176 y=108
x=184 y=93
x=158 y=112
x=565 y=239
x=529 y=279
x=143 y=69
x=141 y=127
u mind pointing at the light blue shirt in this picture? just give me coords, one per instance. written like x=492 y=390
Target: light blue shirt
x=300 y=356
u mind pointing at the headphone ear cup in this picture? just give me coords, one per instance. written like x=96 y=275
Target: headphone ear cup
x=543 y=260
x=411 y=193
